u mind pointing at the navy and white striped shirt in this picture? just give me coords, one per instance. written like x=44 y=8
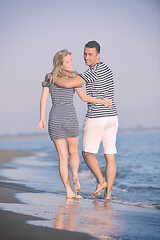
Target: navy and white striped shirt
x=99 y=84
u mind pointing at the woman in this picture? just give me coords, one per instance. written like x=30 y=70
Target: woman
x=63 y=124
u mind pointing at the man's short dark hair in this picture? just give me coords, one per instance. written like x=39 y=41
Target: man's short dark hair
x=93 y=44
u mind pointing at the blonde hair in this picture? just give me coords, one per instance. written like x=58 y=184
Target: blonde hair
x=57 y=63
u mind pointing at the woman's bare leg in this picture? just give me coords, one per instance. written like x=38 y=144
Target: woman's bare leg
x=74 y=161
x=61 y=147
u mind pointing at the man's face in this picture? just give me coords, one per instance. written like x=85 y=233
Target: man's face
x=91 y=56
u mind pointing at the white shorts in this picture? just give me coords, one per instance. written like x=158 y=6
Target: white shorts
x=97 y=130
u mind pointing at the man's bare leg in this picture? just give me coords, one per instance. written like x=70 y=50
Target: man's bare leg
x=111 y=169
x=93 y=165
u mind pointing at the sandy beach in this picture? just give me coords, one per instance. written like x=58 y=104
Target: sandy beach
x=13 y=225
x=29 y=214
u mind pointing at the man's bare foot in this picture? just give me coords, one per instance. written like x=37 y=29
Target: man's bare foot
x=77 y=186
x=99 y=189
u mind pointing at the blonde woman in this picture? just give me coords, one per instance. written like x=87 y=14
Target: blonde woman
x=63 y=124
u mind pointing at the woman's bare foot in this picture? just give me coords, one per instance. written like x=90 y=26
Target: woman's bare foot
x=99 y=193
x=77 y=186
x=99 y=189
x=74 y=196
x=107 y=195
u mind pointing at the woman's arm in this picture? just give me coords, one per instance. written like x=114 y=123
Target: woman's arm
x=87 y=98
x=42 y=122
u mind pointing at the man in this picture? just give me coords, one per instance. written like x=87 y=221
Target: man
x=101 y=122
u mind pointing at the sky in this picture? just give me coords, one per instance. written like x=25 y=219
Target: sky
x=33 y=31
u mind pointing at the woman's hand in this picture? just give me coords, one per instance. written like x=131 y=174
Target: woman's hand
x=42 y=124
x=107 y=102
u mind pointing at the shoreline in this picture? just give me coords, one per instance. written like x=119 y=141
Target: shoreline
x=13 y=225
x=80 y=220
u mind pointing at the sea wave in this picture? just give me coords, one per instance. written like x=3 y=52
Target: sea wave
x=139 y=204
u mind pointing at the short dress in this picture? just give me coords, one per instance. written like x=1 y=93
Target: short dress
x=63 y=122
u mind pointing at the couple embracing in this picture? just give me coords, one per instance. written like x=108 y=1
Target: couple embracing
x=101 y=122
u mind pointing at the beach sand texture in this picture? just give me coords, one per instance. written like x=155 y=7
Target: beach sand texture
x=29 y=214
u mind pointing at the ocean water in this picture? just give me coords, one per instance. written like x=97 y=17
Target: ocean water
x=137 y=182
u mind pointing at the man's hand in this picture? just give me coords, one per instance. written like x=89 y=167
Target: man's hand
x=48 y=76
x=69 y=83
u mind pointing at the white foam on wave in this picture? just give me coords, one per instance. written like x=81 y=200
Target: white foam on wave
x=30 y=161
x=41 y=154
x=119 y=189
x=45 y=186
x=136 y=204
x=15 y=174
x=27 y=175
x=33 y=172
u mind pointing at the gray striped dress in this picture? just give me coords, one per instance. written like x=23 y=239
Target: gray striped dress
x=62 y=121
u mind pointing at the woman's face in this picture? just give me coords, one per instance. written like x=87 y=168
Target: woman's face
x=67 y=63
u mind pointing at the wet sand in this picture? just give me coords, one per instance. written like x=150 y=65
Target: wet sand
x=57 y=218
x=13 y=226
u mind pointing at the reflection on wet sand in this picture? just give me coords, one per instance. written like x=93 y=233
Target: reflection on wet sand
x=94 y=217
x=66 y=214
